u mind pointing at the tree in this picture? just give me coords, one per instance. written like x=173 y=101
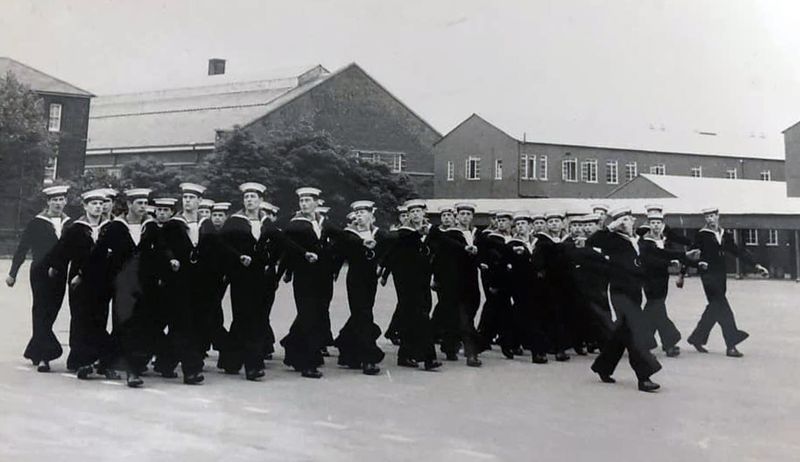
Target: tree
x=287 y=160
x=25 y=148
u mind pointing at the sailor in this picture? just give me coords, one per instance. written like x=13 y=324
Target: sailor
x=496 y=322
x=393 y=330
x=216 y=333
x=271 y=247
x=444 y=312
x=40 y=236
x=625 y=292
x=205 y=207
x=361 y=246
x=155 y=271
x=110 y=208
x=322 y=213
x=714 y=243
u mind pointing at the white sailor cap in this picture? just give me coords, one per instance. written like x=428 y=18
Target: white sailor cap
x=654 y=208
x=151 y=209
x=402 y=209
x=709 y=210
x=308 y=191
x=251 y=186
x=504 y=214
x=538 y=216
x=620 y=212
x=351 y=216
x=267 y=207
x=602 y=207
x=522 y=215
x=111 y=194
x=655 y=215
x=54 y=191
x=492 y=213
x=466 y=206
x=323 y=210
x=94 y=195
x=206 y=204
x=192 y=188
x=591 y=217
x=221 y=206
x=447 y=209
x=416 y=204
x=572 y=213
x=137 y=193
x=577 y=219
x=554 y=214
x=362 y=205
x=165 y=202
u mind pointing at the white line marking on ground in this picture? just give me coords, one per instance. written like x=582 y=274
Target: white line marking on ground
x=322 y=423
x=256 y=410
x=479 y=455
x=111 y=382
x=23 y=368
x=154 y=391
x=72 y=376
x=398 y=438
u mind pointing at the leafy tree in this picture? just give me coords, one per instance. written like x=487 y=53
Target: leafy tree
x=287 y=160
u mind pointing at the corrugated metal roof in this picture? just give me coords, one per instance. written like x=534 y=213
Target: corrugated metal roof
x=38 y=80
x=733 y=197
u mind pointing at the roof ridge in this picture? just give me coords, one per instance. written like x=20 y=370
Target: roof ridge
x=87 y=93
x=172 y=111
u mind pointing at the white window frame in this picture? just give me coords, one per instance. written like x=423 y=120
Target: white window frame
x=658 y=169
x=542 y=172
x=398 y=163
x=54 y=117
x=772 y=238
x=766 y=175
x=612 y=172
x=732 y=174
x=451 y=170
x=589 y=171
x=631 y=171
x=751 y=237
x=498 y=169
x=696 y=172
x=528 y=167
x=476 y=174
x=569 y=166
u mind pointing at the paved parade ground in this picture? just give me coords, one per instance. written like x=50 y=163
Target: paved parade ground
x=711 y=408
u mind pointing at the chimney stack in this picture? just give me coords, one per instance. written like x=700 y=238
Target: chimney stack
x=216 y=66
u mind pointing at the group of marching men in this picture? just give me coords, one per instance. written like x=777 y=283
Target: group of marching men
x=551 y=283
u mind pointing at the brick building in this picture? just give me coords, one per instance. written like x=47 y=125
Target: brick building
x=478 y=160
x=180 y=126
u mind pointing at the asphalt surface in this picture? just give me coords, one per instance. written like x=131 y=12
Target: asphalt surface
x=711 y=407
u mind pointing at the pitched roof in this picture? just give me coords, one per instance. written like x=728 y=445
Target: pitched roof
x=689 y=196
x=38 y=80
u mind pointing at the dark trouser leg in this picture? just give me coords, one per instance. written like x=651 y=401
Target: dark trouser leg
x=611 y=352
x=629 y=333
x=307 y=334
x=48 y=294
x=468 y=304
x=448 y=319
x=416 y=331
x=357 y=339
x=655 y=310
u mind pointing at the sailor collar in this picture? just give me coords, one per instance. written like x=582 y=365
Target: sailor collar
x=298 y=218
x=82 y=221
x=64 y=218
x=122 y=219
x=555 y=240
x=502 y=236
x=717 y=234
x=180 y=218
x=408 y=228
x=372 y=232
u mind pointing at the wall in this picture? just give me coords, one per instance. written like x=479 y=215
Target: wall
x=791 y=139
x=72 y=137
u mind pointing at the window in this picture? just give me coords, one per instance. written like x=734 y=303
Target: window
x=772 y=237
x=543 y=168
x=451 y=170
x=399 y=163
x=696 y=172
x=751 y=237
x=396 y=161
x=589 y=171
x=612 y=173
x=766 y=175
x=498 y=169
x=731 y=174
x=54 y=121
x=658 y=169
x=473 y=170
x=528 y=167
x=569 y=170
x=631 y=171
x=50 y=170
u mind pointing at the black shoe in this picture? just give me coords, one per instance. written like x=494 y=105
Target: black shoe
x=193 y=379
x=431 y=364
x=324 y=352
x=407 y=362
x=562 y=356
x=311 y=373
x=733 y=353
x=580 y=351
x=370 y=369
x=83 y=372
x=111 y=374
x=254 y=375
x=699 y=348
x=169 y=374
x=44 y=367
x=507 y=352
x=472 y=361
x=539 y=358
x=268 y=357
x=518 y=351
x=134 y=381
x=591 y=348
x=605 y=378
x=451 y=356
x=648 y=386
x=673 y=351
x=231 y=371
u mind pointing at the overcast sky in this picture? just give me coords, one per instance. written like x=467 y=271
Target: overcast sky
x=628 y=73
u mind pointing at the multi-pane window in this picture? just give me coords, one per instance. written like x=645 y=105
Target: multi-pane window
x=473 y=168
x=766 y=175
x=589 y=171
x=451 y=170
x=569 y=170
x=658 y=169
x=498 y=169
x=612 y=172
x=731 y=174
x=528 y=167
x=751 y=237
x=394 y=160
x=399 y=163
x=50 y=170
x=631 y=170
x=772 y=237
x=54 y=119
x=696 y=172
x=543 y=168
